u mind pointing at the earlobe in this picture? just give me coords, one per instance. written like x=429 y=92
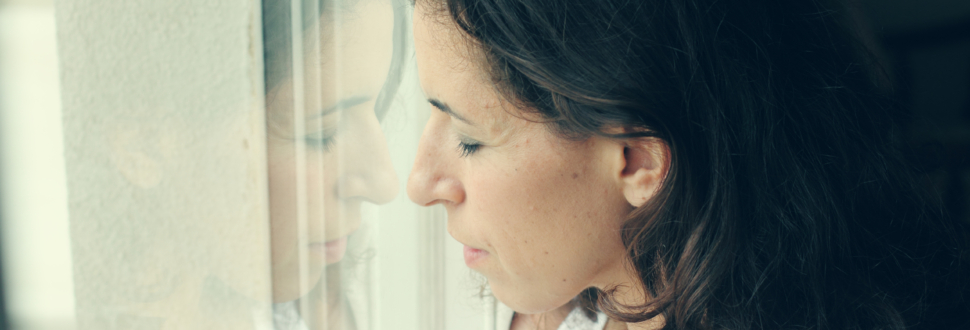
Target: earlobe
x=646 y=162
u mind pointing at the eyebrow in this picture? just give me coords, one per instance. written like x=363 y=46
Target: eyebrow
x=446 y=109
x=343 y=104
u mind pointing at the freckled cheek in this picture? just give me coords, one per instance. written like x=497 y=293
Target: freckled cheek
x=578 y=211
x=519 y=214
x=493 y=210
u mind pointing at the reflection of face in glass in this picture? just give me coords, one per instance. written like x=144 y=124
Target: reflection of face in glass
x=327 y=159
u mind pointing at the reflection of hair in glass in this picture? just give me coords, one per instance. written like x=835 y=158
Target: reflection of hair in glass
x=278 y=47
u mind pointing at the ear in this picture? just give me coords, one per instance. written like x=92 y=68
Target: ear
x=129 y=157
x=646 y=162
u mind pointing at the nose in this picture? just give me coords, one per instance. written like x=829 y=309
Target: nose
x=368 y=173
x=433 y=178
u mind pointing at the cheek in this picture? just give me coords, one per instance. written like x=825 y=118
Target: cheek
x=282 y=200
x=321 y=178
x=553 y=231
x=317 y=182
x=550 y=212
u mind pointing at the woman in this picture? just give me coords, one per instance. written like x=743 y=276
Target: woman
x=694 y=164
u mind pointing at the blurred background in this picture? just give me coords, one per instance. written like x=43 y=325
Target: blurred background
x=924 y=46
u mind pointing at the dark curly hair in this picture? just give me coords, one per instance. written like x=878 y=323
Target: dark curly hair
x=787 y=204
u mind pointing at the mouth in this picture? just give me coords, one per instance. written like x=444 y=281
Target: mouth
x=331 y=251
x=474 y=257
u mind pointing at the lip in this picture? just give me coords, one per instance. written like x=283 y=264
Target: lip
x=331 y=251
x=474 y=257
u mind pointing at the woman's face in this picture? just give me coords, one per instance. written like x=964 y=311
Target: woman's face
x=539 y=215
x=327 y=160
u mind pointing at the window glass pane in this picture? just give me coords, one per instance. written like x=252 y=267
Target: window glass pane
x=208 y=184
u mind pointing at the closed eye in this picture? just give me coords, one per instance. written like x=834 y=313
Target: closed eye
x=467 y=147
x=323 y=140
x=323 y=144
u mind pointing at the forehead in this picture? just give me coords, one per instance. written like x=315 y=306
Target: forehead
x=450 y=67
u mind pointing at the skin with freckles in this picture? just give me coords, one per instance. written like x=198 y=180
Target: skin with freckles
x=540 y=213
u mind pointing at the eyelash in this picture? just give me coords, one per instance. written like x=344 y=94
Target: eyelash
x=467 y=148
x=325 y=144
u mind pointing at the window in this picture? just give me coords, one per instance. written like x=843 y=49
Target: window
x=234 y=164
